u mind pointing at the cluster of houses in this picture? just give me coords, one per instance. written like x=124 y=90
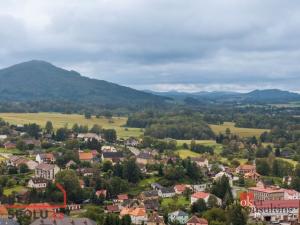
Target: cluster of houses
x=267 y=199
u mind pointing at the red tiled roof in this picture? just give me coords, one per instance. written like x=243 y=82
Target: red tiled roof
x=101 y=192
x=3 y=210
x=85 y=156
x=180 y=187
x=133 y=212
x=123 y=197
x=277 y=204
x=112 y=208
x=246 y=167
x=197 y=220
x=266 y=190
x=200 y=195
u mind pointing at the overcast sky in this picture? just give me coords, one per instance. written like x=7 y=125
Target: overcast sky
x=190 y=45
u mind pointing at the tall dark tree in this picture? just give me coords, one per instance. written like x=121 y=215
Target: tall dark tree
x=110 y=135
x=49 y=127
x=33 y=130
x=236 y=214
x=131 y=171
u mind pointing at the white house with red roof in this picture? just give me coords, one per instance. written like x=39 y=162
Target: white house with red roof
x=138 y=215
x=203 y=195
x=180 y=188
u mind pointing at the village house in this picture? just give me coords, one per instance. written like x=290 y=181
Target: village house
x=112 y=209
x=203 y=195
x=46 y=171
x=3 y=137
x=33 y=142
x=122 y=197
x=156 y=186
x=287 y=180
x=89 y=136
x=267 y=193
x=145 y=158
x=147 y=195
x=86 y=171
x=290 y=194
x=31 y=164
x=201 y=162
x=3 y=212
x=180 y=188
x=219 y=175
x=243 y=169
x=137 y=215
x=102 y=193
x=131 y=142
x=114 y=157
x=45 y=158
x=199 y=187
x=130 y=203
x=166 y=192
x=178 y=216
x=85 y=156
x=64 y=221
x=194 y=220
x=16 y=161
x=9 y=145
x=151 y=204
x=252 y=176
x=107 y=148
x=155 y=219
x=37 y=183
x=70 y=164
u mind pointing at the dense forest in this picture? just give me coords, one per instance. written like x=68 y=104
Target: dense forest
x=181 y=125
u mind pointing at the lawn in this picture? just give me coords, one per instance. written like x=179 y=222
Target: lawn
x=243 y=132
x=293 y=162
x=142 y=185
x=18 y=188
x=10 y=151
x=184 y=153
x=60 y=120
x=175 y=203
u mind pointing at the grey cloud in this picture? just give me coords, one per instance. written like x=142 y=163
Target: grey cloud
x=193 y=44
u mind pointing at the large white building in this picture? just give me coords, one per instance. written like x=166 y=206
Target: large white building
x=46 y=171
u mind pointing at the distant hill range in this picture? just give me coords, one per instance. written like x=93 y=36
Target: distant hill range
x=256 y=96
x=38 y=80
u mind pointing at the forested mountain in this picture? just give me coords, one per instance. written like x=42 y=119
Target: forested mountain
x=39 y=80
x=256 y=96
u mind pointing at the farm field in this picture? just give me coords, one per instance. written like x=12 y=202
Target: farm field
x=212 y=143
x=184 y=153
x=243 y=132
x=60 y=120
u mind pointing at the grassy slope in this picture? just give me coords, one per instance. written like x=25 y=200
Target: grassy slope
x=61 y=120
x=8 y=191
x=243 y=132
